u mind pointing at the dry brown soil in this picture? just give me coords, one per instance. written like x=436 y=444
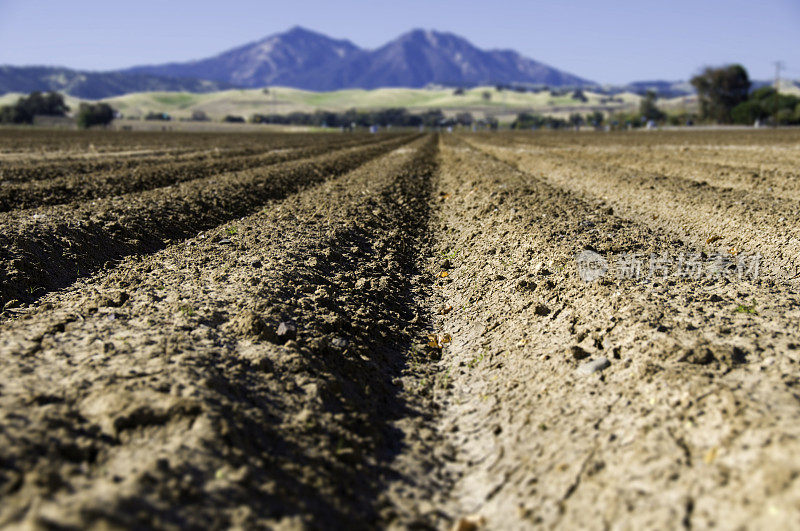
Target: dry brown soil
x=398 y=331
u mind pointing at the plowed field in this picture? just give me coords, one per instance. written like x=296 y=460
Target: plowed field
x=509 y=331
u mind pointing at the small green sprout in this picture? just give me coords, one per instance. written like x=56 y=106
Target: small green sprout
x=743 y=308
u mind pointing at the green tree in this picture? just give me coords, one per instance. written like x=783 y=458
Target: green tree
x=763 y=104
x=748 y=112
x=35 y=104
x=596 y=118
x=719 y=90
x=578 y=95
x=576 y=120
x=528 y=121
x=94 y=114
x=648 y=107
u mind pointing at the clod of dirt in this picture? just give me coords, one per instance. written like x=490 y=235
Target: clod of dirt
x=472 y=522
x=524 y=285
x=541 y=310
x=696 y=356
x=578 y=353
x=249 y=324
x=591 y=367
x=113 y=299
x=446 y=264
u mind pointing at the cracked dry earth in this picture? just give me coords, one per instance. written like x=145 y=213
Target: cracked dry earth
x=310 y=331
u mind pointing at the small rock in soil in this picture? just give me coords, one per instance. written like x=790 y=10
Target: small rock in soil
x=339 y=342
x=287 y=330
x=591 y=367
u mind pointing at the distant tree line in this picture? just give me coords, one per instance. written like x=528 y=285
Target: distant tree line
x=765 y=105
x=395 y=117
x=35 y=104
x=724 y=96
x=158 y=116
x=527 y=120
x=27 y=108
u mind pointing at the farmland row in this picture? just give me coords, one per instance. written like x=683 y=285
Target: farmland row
x=771 y=170
x=33 y=142
x=640 y=402
x=58 y=244
x=45 y=168
x=117 y=182
x=166 y=393
x=711 y=218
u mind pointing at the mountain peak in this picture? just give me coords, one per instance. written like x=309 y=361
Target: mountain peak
x=430 y=37
x=300 y=31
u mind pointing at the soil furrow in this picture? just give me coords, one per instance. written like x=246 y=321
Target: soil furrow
x=478 y=331
x=714 y=219
x=765 y=169
x=52 y=248
x=250 y=377
x=92 y=186
x=758 y=177
x=613 y=403
x=101 y=142
x=31 y=171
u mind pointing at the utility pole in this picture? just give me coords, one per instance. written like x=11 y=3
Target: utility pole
x=778 y=67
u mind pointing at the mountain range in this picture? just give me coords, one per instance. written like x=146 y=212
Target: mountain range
x=305 y=59
x=96 y=85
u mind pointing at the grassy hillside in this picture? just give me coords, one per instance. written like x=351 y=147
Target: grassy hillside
x=285 y=100
x=503 y=105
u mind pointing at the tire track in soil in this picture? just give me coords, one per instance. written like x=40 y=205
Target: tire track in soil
x=160 y=393
x=92 y=186
x=52 y=249
x=736 y=220
x=694 y=420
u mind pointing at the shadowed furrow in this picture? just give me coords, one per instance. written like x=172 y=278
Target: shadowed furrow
x=54 y=247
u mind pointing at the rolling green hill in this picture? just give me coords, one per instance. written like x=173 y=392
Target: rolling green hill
x=285 y=100
x=480 y=101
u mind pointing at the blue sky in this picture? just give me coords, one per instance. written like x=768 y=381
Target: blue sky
x=609 y=42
